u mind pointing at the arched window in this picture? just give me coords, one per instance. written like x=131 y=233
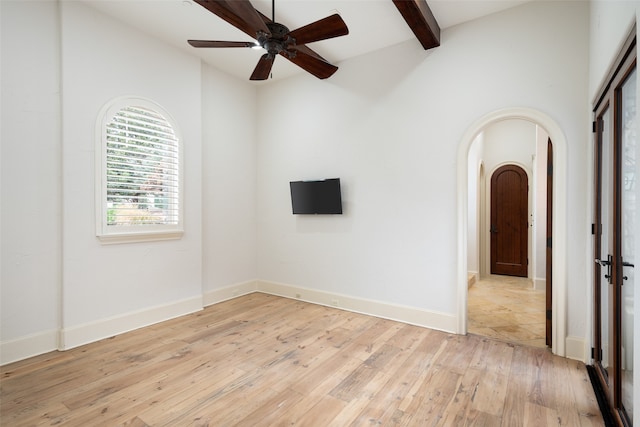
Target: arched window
x=139 y=165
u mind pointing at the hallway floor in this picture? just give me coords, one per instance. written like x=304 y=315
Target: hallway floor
x=507 y=308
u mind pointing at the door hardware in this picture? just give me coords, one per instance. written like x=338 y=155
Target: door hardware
x=607 y=264
x=626 y=264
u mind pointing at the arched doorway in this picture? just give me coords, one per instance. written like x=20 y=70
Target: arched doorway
x=559 y=215
x=506 y=301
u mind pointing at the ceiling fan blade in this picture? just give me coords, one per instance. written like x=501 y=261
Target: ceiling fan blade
x=248 y=13
x=312 y=63
x=216 y=43
x=226 y=10
x=327 y=28
x=262 y=70
x=308 y=51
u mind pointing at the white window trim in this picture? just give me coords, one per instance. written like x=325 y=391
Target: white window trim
x=129 y=234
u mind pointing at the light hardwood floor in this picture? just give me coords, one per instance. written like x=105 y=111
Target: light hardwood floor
x=507 y=308
x=261 y=360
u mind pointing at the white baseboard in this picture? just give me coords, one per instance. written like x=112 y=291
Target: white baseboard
x=540 y=284
x=473 y=277
x=104 y=328
x=229 y=292
x=411 y=315
x=576 y=349
x=11 y=351
x=29 y=346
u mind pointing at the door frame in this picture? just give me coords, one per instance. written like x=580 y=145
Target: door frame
x=608 y=100
x=549 y=246
x=559 y=214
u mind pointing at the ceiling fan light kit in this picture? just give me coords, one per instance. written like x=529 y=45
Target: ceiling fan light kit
x=274 y=37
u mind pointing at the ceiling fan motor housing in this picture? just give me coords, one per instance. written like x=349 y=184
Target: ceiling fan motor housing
x=278 y=42
x=278 y=31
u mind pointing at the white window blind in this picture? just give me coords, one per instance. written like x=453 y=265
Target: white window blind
x=140 y=173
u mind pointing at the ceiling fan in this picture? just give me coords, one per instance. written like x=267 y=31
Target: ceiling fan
x=275 y=38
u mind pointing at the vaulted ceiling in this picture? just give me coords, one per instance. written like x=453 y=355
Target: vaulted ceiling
x=373 y=24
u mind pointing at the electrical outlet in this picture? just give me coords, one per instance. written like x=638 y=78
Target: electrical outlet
x=334 y=302
x=297 y=295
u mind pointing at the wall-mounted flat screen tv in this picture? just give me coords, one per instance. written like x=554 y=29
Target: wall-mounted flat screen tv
x=316 y=197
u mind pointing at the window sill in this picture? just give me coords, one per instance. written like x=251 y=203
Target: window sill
x=133 y=237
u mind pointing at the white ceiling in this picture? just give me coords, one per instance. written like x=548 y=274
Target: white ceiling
x=373 y=24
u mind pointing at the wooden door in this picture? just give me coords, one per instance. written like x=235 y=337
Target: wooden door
x=615 y=145
x=509 y=223
x=549 y=250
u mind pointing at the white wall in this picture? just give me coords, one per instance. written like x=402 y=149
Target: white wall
x=30 y=183
x=229 y=183
x=389 y=124
x=610 y=23
x=103 y=59
x=475 y=165
x=509 y=141
x=61 y=62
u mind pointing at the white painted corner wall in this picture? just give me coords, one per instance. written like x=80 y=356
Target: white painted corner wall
x=30 y=182
x=60 y=287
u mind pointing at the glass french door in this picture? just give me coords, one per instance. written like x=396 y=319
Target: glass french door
x=628 y=141
x=614 y=236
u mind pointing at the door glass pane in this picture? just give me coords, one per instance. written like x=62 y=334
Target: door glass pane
x=629 y=137
x=606 y=332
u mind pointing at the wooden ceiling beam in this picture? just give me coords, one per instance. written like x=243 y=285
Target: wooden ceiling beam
x=421 y=21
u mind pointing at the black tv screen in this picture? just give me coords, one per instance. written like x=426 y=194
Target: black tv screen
x=316 y=197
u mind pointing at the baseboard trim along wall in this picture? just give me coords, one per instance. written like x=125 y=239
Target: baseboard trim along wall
x=415 y=316
x=575 y=346
x=76 y=336
x=576 y=349
x=540 y=284
x=29 y=346
x=473 y=277
x=68 y=338
x=229 y=292
x=411 y=315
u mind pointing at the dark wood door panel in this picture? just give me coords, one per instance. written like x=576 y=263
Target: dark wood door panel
x=549 y=248
x=509 y=223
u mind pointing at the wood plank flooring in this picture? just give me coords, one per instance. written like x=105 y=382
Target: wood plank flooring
x=262 y=360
